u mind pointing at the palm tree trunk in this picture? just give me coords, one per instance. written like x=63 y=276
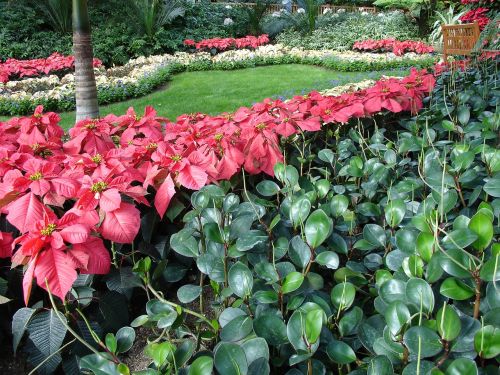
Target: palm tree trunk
x=86 y=90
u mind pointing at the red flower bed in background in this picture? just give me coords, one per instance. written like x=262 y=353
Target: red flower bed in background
x=223 y=44
x=66 y=197
x=478 y=15
x=55 y=63
x=392 y=45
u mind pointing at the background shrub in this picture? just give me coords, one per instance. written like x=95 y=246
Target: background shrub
x=339 y=31
x=26 y=33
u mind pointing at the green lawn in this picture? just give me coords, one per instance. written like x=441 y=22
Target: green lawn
x=214 y=92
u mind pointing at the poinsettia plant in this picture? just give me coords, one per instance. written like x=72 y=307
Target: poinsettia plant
x=65 y=198
x=397 y=47
x=54 y=64
x=224 y=44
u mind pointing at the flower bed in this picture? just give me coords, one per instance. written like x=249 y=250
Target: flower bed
x=479 y=15
x=54 y=64
x=87 y=177
x=399 y=48
x=140 y=76
x=224 y=44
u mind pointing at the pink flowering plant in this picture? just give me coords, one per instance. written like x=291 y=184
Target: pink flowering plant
x=224 y=44
x=13 y=69
x=354 y=232
x=399 y=48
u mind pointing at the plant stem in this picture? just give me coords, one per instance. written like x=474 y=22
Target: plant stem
x=173 y=304
x=459 y=189
x=65 y=324
x=477 y=302
x=445 y=355
x=202 y=277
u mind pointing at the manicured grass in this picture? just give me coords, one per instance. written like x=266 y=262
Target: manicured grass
x=214 y=92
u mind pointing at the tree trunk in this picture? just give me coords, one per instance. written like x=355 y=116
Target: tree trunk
x=85 y=85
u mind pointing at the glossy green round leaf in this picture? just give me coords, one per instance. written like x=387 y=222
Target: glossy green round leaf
x=342 y=295
x=326 y=155
x=200 y=200
x=413 y=266
x=314 y=323
x=240 y=279
x=455 y=263
x=286 y=174
x=374 y=234
x=99 y=364
x=250 y=240
x=425 y=368
x=322 y=187
x=395 y=211
x=271 y=328
x=420 y=293
x=255 y=349
x=491 y=269
x=299 y=211
x=379 y=365
x=267 y=272
x=492 y=186
x=111 y=343
x=213 y=232
x=203 y=365
x=292 y=282
x=184 y=352
x=492 y=296
x=299 y=252
x=448 y=323
x=125 y=338
x=230 y=359
x=339 y=352
x=462 y=366
x=422 y=341
x=317 y=229
x=381 y=276
x=463 y=114
x=455 y=289
x=397 y=316
x=425 y=245
x=338 y=205
x=350 y=321
x=237 y=329
x=329 y=259
x=481 y=225
x=406 y=240
x=184 y=243
x=267 y=188
x=393 y=290
x=266 y=296
x=139 y=321
x=159 y=352
x=188 y=293
x=487 y=342
x=368 y=209
x=459 y=239
x=338 y=244
x=296 y=330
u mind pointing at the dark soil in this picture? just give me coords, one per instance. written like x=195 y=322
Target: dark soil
x=10 y=365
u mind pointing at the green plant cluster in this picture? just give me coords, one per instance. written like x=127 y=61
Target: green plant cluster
x=25 y=32
x=374 y=250
x=148 y=84
x=339 y=31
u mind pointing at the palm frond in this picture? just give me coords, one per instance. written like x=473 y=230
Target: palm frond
x=57 y=13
